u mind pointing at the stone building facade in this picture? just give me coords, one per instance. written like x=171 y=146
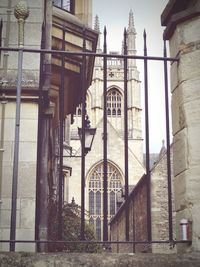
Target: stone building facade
x=94 y=159
x=29 y=120
x=37 y=168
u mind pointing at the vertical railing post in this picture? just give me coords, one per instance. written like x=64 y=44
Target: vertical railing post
x=39 y=142
x=147 y=140
x=168 y=147
x=61 y=140
x=16 y=153
x=126 y=135
x=105 y=182
x=83 y=83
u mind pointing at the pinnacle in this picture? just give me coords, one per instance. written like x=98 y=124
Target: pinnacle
x=131 y=26
x=97 y=24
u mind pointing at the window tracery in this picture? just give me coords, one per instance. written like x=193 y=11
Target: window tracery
x=114 y=103
x=96 y=195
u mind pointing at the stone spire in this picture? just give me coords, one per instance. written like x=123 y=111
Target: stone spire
x=97 y=28
x=131 y=37
x=97 y=24
x=131 y=26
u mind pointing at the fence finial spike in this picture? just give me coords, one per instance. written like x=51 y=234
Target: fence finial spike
x=144 y=33
x=105 y=41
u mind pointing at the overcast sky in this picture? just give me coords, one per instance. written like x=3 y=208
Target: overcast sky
x=114 y=15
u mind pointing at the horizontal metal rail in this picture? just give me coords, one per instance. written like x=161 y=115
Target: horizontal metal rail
x=47 y=51
x=99 y=242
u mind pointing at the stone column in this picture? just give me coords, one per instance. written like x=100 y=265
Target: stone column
x=182 y=21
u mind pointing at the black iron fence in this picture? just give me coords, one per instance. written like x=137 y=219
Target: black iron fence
x=84 y=55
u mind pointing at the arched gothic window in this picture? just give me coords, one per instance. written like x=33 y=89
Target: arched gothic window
x=96 y=195
x=114 y=103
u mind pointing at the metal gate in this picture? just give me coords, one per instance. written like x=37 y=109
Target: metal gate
x=85 y=55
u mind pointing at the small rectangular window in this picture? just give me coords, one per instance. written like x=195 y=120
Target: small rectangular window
x=67 y=5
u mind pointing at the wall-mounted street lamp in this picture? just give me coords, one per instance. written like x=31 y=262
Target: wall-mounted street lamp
x=89 y=135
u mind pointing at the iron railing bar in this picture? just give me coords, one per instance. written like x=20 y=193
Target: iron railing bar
x=165 y=59
x=39 y=141
x=100 y=242
x=61 y=137
x=83 y=77
x=47 y=51
x=170 y=222
x=105 y=182
x=16 y=152
x=146 y=89
x=126 y=136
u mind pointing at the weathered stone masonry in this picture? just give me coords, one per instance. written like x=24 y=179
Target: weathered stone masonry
x=182 y=19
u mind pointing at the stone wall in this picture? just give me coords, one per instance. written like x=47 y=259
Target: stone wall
x=184 y=41
x=25 y=222
x=186 y=124
x=98 y=260
x=159 y=205
x=137 y=221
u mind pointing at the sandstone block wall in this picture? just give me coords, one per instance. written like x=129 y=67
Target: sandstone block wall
x=28 y=123
x=26 y=174
x=185 y=85
x=137 y=221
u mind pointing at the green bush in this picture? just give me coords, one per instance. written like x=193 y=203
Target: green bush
x=71 y=231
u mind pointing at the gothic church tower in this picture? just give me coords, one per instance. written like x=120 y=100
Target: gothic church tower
x=115 y=113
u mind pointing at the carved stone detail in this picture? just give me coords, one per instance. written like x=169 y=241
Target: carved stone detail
x=21 y=12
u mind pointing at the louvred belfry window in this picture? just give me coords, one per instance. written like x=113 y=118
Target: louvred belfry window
x=114 y=103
